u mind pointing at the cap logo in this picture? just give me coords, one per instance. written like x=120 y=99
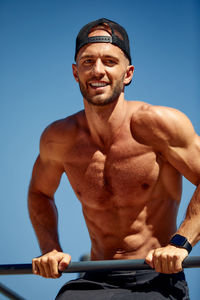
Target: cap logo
x=100 y=39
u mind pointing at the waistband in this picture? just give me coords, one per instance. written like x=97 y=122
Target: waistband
x=133 y=277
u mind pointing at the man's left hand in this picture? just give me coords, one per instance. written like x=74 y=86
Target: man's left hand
x=167 y=259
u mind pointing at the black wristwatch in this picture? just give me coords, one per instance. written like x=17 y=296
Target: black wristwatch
x=181 y=241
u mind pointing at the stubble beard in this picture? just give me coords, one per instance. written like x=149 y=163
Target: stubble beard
x=117 y=90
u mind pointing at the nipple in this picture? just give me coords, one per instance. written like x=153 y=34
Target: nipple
x=145 y=186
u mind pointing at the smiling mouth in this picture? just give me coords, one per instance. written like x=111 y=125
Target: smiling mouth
x=98 y=84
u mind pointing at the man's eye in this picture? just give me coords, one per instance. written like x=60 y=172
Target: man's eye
x=110 y=62
x=88 y=61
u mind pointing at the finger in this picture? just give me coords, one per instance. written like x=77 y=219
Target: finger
x=177 y=264
x=39 y=268
x=53 y=264
x=170 y=265
x=35 y=269
x=40 y=265
x=157 y=263
x=63 y=264
x=166 y=264
x=149 y=259
x=162 y=264
x=157 y=260
x=46 y=269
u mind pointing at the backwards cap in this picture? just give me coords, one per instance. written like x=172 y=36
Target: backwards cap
x=118 y=36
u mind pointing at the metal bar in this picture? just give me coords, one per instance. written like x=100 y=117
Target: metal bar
x=9 y=293
x=101 y=265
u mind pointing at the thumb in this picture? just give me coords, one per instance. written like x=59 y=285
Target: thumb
x=64 y=262
x=149 y=259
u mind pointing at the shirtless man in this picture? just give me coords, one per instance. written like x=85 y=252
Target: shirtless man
x=124 y=160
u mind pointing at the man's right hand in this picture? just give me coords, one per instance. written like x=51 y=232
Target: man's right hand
x=51 y=264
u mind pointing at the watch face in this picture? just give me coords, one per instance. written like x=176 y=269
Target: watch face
x=178 y=240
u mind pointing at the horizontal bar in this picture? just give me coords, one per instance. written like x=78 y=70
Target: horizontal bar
x=4 y=290
x=98 y=265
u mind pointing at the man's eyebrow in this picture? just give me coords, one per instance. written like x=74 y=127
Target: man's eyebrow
x=111 y=56
x=87 y=56
x=104 y=56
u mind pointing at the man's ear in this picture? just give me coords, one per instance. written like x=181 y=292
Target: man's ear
x=129 y=74
x=75 y=72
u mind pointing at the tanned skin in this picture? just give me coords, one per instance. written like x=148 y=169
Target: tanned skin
x=124 y=160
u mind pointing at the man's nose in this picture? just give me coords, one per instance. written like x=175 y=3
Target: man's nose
x=98 y=68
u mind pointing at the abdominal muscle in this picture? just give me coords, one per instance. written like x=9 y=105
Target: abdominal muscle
x=130 y=232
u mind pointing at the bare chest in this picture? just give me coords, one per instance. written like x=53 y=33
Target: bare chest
x=127 y=171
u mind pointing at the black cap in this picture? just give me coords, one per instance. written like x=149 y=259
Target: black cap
x=118 y=37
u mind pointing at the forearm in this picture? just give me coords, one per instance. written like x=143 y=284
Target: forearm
x=44 y=218
x=190 y=227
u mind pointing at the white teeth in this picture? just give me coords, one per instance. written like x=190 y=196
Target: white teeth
x=98 y=84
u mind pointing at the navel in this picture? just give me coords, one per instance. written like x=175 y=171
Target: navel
x=120 y=251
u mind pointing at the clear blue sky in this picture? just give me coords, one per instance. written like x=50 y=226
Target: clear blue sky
x=37 y=87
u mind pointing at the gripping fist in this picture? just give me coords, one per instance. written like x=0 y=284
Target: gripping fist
x=167 y=259
x=51 y=264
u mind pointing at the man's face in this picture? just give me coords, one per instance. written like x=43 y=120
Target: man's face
x=101 y=70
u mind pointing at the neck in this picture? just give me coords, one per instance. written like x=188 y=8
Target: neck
x=104 y=122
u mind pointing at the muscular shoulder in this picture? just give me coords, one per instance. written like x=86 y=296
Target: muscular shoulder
x=161 y=127
x=60 y=135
